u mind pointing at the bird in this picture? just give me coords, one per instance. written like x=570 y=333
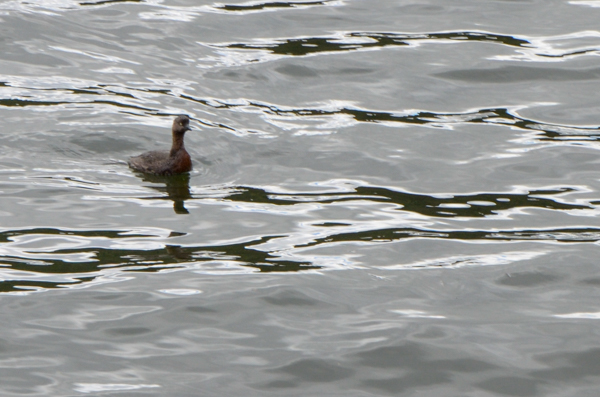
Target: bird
x=166 y=162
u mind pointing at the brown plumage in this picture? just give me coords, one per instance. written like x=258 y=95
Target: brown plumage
x=165 y=162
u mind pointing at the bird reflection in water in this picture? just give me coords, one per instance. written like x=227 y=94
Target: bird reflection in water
x=177 y=188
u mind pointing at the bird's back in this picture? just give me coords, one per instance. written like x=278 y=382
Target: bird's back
x=154 y=162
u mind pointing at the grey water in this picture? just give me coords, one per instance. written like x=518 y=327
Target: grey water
x=388 y=198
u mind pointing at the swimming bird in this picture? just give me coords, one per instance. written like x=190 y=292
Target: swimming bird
x=167 y=162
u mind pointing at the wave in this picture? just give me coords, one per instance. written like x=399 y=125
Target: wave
x=352 y=41
x=44 y=258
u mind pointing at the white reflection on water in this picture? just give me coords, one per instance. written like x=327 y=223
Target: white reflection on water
x=83 y=318
x=455 y=262
x=559 y=48
x=95 y=55
x=170 y=15
x=180 y=291
x=28 y=362
x=165 y=11
x=589 y=3
x=582 y=315
x=108 y=387
x=410 y=313
x=115 y=70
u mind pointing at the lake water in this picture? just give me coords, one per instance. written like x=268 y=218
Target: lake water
x=388 y=198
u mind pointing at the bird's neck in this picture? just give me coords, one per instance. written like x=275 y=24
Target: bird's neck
x=177 y=143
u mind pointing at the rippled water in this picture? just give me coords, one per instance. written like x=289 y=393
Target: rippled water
x=388 y=198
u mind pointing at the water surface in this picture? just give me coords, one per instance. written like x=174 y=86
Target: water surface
x=388 y=198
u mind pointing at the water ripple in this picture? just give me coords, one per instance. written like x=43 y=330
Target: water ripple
x=340 y=115
x=110 y=387
x=556 y=48
x=352 y=41
x=472 y=206
x=52 y=258
x=264 y=6
x=325 y=118
x=42 y=258
x=180 y=13
x=581 y=235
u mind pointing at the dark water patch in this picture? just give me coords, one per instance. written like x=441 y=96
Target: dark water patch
x=26 y=102
x=511 y=386
x=270 y=5
x=568 y=366
x=331 y=224
x=416 y=366
x=403 y=356
x=21 y=285
x=472 y=206
x=109 y=297
x=587 y=235
x=401 y=384
x=297 y=71
x=177 y=234
x=291 y=298
x=315 y=370
x=127 y=332
x=367 y=40
x=527 y=279
x=201 y=310
x=593 y=281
